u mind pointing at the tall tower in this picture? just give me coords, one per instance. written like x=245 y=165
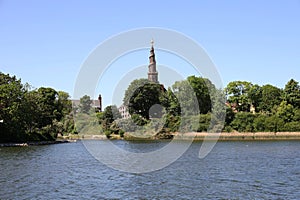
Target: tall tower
x=152 y=73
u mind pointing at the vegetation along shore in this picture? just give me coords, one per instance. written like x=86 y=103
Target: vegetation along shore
x=253 y=112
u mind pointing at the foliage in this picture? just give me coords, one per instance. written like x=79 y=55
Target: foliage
x=270 y=97
x=200 y=87
x=292 y=93
x=31 y=115
x=243 y=122
x=238 y=94
x=85 y=104
x=145 y=98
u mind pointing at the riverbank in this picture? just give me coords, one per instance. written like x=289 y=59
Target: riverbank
x=236 y=136
x=200 y=136
x=196 y=136
x=25 y=144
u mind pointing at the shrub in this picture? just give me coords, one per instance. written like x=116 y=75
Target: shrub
x=243 y=122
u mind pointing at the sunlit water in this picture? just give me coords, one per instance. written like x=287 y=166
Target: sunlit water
x=233 y=170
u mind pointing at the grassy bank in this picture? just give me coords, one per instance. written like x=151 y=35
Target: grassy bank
x=236 y=136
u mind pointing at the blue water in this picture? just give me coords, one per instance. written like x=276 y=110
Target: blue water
x=233 y=170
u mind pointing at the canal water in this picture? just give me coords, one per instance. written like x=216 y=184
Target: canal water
x=232 y=170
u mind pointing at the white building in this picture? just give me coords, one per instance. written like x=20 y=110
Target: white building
x=124 y=112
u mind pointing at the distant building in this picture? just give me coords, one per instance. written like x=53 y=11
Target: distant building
x=96 y=104
x=124 y=112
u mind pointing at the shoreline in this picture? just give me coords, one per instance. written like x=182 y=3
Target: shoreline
x=237 y=136
x=200 y=136
x=26 y=144
x=195 y=136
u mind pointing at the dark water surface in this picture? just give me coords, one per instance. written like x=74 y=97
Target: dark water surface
x=233 y=170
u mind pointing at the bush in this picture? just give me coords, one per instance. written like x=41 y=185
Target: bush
x=243 y=122
x=228 y=129
x=107 y=133
x=292 y=126
x=274 y=124
x=259 y=123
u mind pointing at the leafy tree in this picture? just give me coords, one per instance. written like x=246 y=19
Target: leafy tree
x=285 y=111
x=145 y=97
x=259 y=122
x=271 y=97
x=296 y=117
x=30 y=115
x=238 y=94
x=85 y=104
x=292 y=93
x=218 y=115
x=47 y=105
x=64 y=104
x=243 y=122
x=229 y=116
x=274 y=124
x=255 y=95
x=173 y=104
x=186 y=98
x=200 y=87
x=291 y=126
x=134 y=85
x=111 y=113
x=107 y=119
x=202 y=123
x=11 y=96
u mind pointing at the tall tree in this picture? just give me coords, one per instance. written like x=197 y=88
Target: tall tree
x=292 y=93
x=11 y=96
x=270 y=97
x=47 y=103
x=238 y=94
x=134 y=85
x=85 y=104
x=255 y=95
x=202 y=88
x=146 y=98
x=186 y=97
x=64 y=103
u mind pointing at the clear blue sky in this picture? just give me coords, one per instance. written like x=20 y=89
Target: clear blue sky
x=45 y=42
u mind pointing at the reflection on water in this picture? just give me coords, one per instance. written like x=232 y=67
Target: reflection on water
x=233 y=170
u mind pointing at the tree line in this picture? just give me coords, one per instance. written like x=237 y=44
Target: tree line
x=194 y=104
x=249 y=107
x=32 y=115
x=253 y=108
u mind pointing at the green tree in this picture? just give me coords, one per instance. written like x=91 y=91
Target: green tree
x=238 y=94
x=271 y=97
x=186 y=98
x=273 y=123
x=259 y=123
x=31 y=115
x=85 y=104
x=173 y=104
x=47 y=105
x=134 y=85
x=292 y=93
x=64 y=104
x=111 y=113
x=285 y=111
x=11 y=96
x=202 y=91
x=145 y=98
x=255 y=95
x=243 y=122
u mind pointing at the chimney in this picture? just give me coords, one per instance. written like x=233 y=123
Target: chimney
x=100 y=103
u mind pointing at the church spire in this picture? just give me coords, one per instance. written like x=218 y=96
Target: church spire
x=152 y=73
